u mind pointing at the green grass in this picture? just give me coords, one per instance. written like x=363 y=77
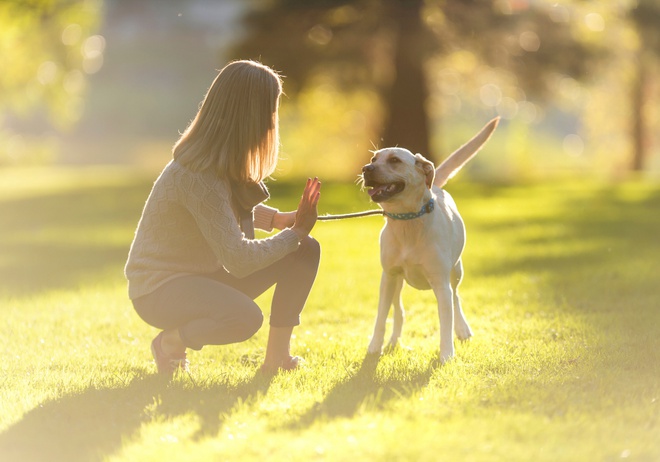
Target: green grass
x=561 y=289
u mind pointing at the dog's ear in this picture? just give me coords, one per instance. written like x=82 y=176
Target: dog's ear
x=427 y=167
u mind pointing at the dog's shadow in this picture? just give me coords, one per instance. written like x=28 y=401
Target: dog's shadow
x=366 y=388
x=95 y=423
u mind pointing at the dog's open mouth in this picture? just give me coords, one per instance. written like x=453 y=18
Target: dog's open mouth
x=381 y=192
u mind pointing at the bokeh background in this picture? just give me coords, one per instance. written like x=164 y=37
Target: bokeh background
x=113 y=82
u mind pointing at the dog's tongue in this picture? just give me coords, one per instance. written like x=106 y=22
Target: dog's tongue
x=375 y=190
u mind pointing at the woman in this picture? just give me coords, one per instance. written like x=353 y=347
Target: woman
x=194 y=267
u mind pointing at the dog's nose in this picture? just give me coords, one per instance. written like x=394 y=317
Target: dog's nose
x=367 y=168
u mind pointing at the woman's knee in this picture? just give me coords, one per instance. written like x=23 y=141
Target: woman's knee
x=250 y=323
x=310 y=250
x=210 y=331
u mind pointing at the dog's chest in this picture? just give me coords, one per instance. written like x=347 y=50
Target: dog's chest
x=410 y=261
x=415 y=276
x=419 y=249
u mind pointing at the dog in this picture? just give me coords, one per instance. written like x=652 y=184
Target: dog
x=423 y=237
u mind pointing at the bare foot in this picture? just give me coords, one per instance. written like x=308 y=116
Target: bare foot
x=287 y=364
x=171 y=343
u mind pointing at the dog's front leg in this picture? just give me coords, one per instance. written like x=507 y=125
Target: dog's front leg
x=387 y=290
x=399 y=315
x=444 y=295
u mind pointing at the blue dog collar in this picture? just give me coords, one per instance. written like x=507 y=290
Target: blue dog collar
x=426 y=208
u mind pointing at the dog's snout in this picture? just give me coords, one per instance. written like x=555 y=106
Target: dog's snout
x=368 y=168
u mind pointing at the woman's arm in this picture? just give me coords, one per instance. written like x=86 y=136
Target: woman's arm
x=207 y=199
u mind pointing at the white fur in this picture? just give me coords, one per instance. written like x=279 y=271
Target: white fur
x=425 y=251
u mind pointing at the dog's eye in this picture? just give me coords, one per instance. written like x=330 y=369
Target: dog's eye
x=393 y=160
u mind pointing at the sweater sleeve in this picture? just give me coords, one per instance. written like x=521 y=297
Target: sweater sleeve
x=207 y=199
x=263 y=217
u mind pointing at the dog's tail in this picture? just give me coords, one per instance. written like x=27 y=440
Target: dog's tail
x=452 y=164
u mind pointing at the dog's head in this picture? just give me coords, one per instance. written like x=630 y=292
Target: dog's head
x=395 y=172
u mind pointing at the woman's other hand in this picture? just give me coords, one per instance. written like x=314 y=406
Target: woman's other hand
x=307 y=212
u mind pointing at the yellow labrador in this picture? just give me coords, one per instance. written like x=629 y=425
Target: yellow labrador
x=423 y=236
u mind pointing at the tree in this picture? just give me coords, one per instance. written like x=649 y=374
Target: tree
x=386 y=44
x=645 y=17
x=46 y=49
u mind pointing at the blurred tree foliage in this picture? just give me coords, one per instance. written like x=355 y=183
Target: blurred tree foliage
x=386 y=45
x=47 y=47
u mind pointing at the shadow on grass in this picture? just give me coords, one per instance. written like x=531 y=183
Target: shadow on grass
x=366 y=388
x=602 y=225
x=95 y=423
x=212 y=403
x=62 y=240
x=597 y=250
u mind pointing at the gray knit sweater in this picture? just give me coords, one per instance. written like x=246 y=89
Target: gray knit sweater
x=188 y=227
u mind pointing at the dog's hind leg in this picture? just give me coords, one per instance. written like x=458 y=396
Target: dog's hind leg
x=388 y=285
x=461 y=326
x=399 y=314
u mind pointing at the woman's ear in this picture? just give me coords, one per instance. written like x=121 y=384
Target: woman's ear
x=427 y=167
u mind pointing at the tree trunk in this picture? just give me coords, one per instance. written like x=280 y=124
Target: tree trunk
x=406 y=122
x=640 y=137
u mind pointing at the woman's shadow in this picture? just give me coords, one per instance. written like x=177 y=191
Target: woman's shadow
x=96 y=422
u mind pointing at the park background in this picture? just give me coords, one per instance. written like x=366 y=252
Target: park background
x=115 y=82
x=561 y=208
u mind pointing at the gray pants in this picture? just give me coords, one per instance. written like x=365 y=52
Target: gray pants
x=218 y=308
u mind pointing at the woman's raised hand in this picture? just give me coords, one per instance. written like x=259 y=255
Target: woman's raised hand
x=307 y=209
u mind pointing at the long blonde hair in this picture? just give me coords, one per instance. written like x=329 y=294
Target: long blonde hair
x=236 y=130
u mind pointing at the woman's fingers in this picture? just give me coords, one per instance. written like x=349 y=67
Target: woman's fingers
x=307 y=209
x=311 y=193
x=314 y=192
x=311 y=188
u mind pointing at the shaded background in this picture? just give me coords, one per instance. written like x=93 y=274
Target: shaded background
x=116 y=81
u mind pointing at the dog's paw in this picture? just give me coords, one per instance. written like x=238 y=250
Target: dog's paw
x=445 y=359
x=446 y=355
x=375 y=353
x=390 y=348
x=375 y=350
x=463 y=332
x=375 y=346
x=392 y=344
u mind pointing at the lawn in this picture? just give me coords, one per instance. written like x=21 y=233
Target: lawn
x=562 y=290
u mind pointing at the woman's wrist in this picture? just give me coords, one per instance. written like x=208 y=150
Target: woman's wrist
x=275 y=221
x=299 y=232
x=283 y=220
